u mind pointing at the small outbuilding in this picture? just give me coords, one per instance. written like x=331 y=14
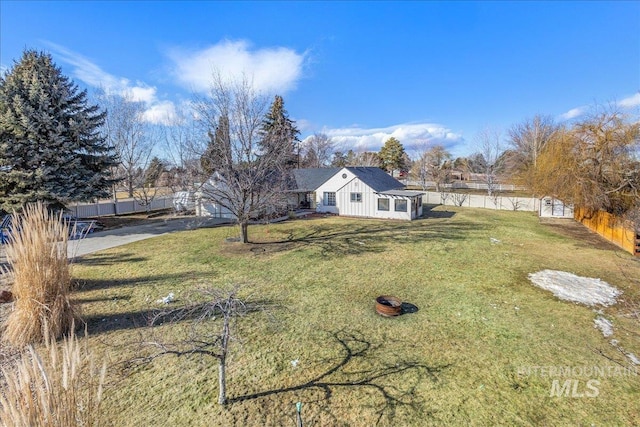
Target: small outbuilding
x=551 y=207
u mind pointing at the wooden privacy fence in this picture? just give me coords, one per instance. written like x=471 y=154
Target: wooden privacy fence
x=611 y=228
x=121 y=207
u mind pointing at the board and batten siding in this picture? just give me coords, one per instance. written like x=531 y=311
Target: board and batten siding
x=333 y=185
x=367 y=205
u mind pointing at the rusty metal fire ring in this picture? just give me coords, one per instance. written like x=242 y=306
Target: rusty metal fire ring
x=388 y=306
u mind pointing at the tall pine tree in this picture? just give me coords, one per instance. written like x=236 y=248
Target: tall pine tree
x=218 y=152
x=279 y=134
x=392 y=155
x=50 y=143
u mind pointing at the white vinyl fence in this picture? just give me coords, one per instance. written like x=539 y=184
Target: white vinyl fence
x=125 y=206
x=508 y=203
x=465 y=185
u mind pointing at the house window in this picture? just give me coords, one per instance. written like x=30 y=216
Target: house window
x=383 y=204
x=400 y=205
x=356 y=197
x=329 y=199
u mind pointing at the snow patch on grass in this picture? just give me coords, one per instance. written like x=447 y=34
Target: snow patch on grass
x=604 y=325
x=569 y=287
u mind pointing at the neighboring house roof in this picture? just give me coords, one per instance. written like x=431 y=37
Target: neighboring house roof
x=376 y=178
x=310 y=179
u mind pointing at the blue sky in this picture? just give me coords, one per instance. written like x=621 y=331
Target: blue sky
x=424 y=72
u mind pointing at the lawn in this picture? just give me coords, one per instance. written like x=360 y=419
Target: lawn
x=468 y=356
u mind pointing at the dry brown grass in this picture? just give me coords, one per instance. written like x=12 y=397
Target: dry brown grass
x=37 y=256
x=58 y=386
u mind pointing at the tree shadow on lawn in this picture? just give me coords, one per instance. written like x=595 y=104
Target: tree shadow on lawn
x=107 y=259
x=85 y=285
x=154 y=316
x=428 y=212
x=395 y=383
x=356 y=238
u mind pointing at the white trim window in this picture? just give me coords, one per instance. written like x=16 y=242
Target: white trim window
x=356 y=197
x=383 y=204
x=400 y=205
x=329 y=198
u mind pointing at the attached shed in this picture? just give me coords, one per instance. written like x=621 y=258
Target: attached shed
x=553 y=208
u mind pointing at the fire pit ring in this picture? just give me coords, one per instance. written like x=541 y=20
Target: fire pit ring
x=388 y=306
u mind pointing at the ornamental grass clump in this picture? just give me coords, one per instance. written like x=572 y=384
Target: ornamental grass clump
x=37 y=256
x=58 y=386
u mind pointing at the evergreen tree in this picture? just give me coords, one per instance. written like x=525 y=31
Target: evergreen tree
x=218 y=150
x=339 y=160
x=154 y=170
x=392 y=155
x=279 y=134
x=51 y=148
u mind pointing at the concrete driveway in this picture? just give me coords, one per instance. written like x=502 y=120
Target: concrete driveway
x=107 y=239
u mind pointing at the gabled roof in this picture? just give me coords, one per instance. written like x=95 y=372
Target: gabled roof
x=376 y=178
x=309 y=179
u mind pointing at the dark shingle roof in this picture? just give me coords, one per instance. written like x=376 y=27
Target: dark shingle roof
x=312 y=178
x=376 y=178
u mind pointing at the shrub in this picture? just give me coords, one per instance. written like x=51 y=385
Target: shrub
x=58 y=387
x=37 y=256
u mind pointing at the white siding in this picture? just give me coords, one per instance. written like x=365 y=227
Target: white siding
x=333 y=185
x=391 y=213
x=554 y=208
x=364 y=208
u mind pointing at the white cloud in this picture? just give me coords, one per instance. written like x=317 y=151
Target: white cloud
x=626 y=103
x=162 y=112
x=142 y=94
x=573 y=113
x=271 y=70
x=630 y=101
x=91 y=74
x=413 y=136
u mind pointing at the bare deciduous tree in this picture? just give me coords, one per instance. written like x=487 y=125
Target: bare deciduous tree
x=317 y=151
x=490 y=149
x=183 y=148
x=459 y=198
x=126 y=130
x=249 y=183
x=527 y=140
x=201 y=338
x=433 y=164
x=364 y=158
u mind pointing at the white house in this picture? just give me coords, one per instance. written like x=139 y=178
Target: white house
x=355 y=191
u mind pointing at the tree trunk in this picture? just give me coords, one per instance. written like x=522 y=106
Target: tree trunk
x=244 y=231
x=222 y=382
x=130 y=187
